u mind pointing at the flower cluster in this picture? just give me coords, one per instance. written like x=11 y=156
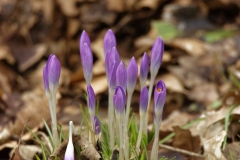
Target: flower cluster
x=121 y=82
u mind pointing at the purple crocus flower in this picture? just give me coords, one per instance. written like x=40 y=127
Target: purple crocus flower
x=143 y=100
x=84 y=39
x=91 y=100
x=69 y=154
x=111 y=57
x=111 y=63
x=121 y=76
x=159 y=99
x=86 y=56
x=132 y=73
x=144 y=69
x=53 y=69
x=109 y=41
x=156 y=56
x=119 y=100
x=97 y=127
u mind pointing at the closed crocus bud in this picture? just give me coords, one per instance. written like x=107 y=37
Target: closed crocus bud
x=143 y=101
x=45 y=81
x=156 y=56
x=87 y=62
x=69 y=154
x=132 y=73
x=111 y=57
x=84 y=39
x=119 y=100
x=112 y=76
x=91 y=101
x=97 y=127
x=53 y=68
x=144 y=69
x=159 y=99
x=121 y=76
x=109 y=41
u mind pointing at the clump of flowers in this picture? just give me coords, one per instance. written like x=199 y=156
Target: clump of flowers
x=121 y=82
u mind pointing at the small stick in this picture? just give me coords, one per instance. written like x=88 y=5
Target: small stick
x=181 y=151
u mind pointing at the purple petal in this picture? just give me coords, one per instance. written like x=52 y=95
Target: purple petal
x=91 y=100
x=119 y=100
x=144 y=69
x=53 y=70
x=111 y=57
x=84 y=39
x=87 y=62
x=132 y=72
x=97 y=126
x=109 y=41
x=144 y=99
x=112 y=75
x=159 y=98
x=156 y=55
x=121 y=76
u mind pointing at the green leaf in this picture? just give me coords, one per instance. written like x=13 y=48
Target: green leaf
x=217 y=35
x=166 y=30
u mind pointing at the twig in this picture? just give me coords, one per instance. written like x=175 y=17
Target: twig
x=181 y=151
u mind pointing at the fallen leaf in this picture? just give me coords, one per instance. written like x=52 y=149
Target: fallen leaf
x=16 y=155
x=233 y=150
x=212 y=147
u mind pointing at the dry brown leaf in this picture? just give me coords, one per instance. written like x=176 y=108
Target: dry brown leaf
x=26 y=56
x=176 y=119
x=69 y=8
x=115 y=5
x=16 y=155
x=212 y=147
x=184 y=140
x=232 y=148
x=98 y=83
x=154 y=4
x=192 y=46
x=6 y=54
x=172 y=83
x=26 y=152
x=206 y=93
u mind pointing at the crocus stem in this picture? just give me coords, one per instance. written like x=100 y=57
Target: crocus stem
x=54 y=120
x=152 y=78
x=126 y=143
x=140 y=135
x=120 y=122
x=110 y=118
x=154 y=153
x=129 y=97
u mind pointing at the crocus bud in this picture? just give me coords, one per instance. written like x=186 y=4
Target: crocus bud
x=143 y=101
x=111 y=57
x=119 y=100
x=112 y=76
x=156 y=56
x=84 y=39
x=97 y=127
x=69 y=154
x=121 y=76
x=53 y=68
x=87 y=62
x=45 y=81
x=132 y=73
x=144 y=70
x=91 y=101
x=159 y=99
x=109 y=41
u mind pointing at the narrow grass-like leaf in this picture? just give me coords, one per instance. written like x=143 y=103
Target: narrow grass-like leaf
x=231 y=156
x=227 y=123
x=37 y=157
x=49 y=132
x=145 y=149
x=77 y=149
x=39 y=141
x=235 y=80
x=143 y=155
